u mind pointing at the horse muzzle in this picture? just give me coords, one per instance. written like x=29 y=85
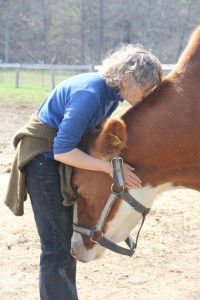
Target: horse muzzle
x=80 y=252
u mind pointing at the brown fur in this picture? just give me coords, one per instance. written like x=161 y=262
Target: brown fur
x=163 y=138
x=166 y=126
x=107 y=141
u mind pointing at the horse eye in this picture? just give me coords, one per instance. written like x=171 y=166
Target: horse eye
x=75 y=187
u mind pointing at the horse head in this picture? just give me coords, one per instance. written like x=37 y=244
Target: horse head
x=93 y=187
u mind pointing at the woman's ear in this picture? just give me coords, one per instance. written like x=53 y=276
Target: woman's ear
x=125 y=82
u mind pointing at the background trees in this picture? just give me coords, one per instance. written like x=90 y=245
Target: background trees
x=82 y=31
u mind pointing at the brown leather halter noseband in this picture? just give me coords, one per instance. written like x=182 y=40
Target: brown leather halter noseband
x=95 y=233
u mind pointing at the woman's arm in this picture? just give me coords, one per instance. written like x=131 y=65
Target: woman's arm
x=79 y=159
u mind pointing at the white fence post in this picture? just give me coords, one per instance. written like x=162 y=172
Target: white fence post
x=17 y=78
x=52 y=78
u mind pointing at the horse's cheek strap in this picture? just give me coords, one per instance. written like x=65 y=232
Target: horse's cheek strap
x=118 y=177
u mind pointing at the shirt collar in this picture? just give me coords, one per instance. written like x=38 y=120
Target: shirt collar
x=116 y=95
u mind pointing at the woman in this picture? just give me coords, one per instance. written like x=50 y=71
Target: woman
x=74 y=107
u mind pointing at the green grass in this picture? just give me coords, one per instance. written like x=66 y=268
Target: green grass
x=34 y=87
x=121 y=108
x=32 y=78
x=33 y=96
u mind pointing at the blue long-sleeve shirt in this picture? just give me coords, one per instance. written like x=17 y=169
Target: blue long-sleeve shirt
x=76 y=106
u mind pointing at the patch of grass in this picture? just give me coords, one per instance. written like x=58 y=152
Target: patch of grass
x=33 y=96
x=34 y=87
x=121 y=108
x=33 y=78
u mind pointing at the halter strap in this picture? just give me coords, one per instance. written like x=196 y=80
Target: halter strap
x=98 y=228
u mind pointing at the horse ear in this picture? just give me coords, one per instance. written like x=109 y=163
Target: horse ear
x=112 y=139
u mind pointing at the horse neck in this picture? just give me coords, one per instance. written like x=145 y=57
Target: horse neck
x=190 y=57
x=161 y=136
x=163 y=130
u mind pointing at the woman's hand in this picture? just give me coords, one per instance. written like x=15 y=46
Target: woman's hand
x=132 y=180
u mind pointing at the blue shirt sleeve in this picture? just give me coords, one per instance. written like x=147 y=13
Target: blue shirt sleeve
x=81 y=108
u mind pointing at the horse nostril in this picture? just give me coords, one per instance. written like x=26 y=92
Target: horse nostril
x=75 y=187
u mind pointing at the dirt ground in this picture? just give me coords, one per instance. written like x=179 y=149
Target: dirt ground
x=166 y=264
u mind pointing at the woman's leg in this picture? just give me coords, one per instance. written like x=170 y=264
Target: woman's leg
x=54 y=224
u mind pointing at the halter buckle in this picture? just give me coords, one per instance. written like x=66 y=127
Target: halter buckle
x=118 y=177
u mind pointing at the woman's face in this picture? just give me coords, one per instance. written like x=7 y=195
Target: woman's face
x=134 y=95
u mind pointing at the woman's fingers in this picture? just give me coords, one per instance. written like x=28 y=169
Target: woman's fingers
x=132 y=180
x=134 y=176
x=128 y=167
x=132 y=186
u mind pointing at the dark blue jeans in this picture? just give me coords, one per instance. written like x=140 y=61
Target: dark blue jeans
x=54 y=225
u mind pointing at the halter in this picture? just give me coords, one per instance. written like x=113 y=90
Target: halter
x=95 y=233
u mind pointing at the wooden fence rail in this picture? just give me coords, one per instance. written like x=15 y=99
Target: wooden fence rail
x=52 y=68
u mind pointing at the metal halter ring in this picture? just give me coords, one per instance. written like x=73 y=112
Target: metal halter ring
x=115 y=192
x=96 y=242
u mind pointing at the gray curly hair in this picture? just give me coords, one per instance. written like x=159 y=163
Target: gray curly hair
x=142 y=66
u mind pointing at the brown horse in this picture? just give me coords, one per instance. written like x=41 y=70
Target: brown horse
x=161 y=141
